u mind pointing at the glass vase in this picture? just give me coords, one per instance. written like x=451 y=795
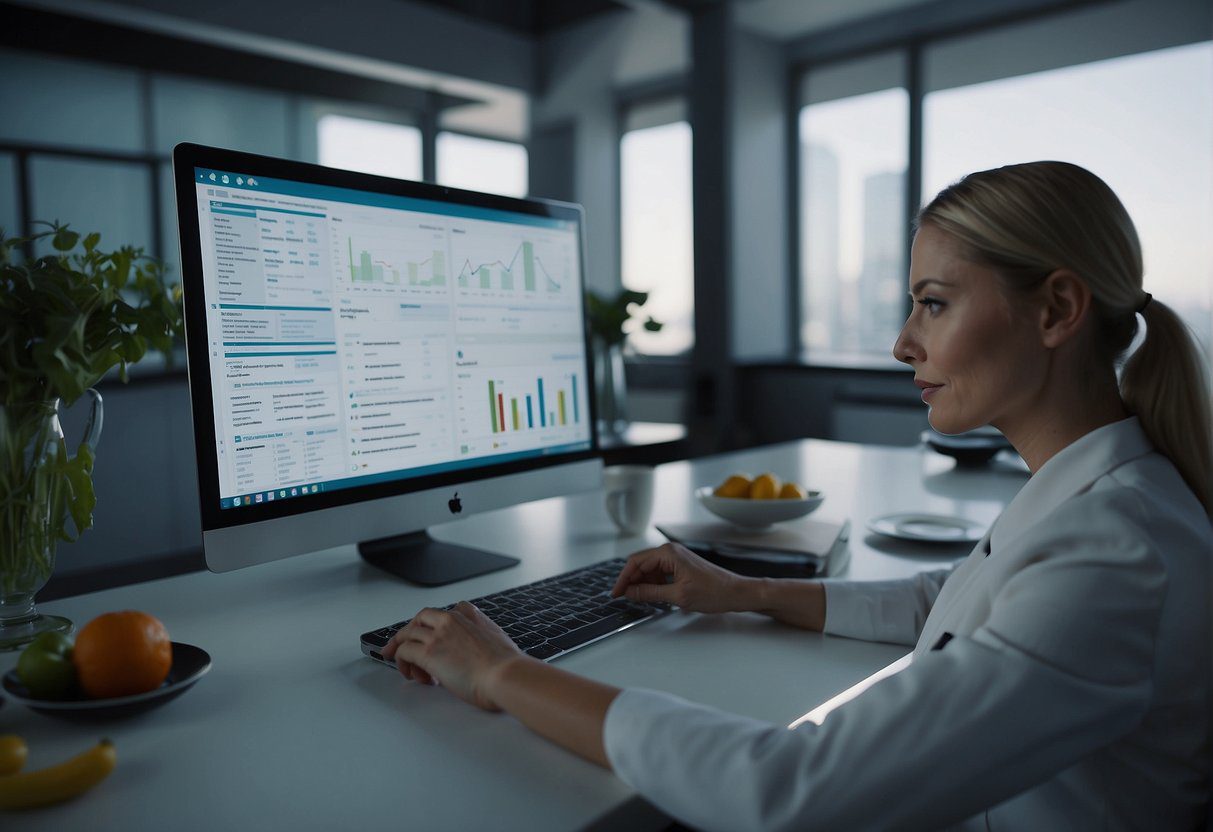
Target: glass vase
x=34 y=494
x=611 y=388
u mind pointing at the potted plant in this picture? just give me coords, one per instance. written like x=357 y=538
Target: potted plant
x=66 y=319
x=607 y=318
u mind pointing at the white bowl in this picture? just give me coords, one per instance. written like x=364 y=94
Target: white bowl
x=757 y=514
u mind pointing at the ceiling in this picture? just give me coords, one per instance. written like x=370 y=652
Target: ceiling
x=527 y=17
x=776 y=19
x=789 y=19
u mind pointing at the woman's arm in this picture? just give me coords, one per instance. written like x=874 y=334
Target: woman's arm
x=791 y=601
x=477 y=661
x=567 y=709
x=672 y=574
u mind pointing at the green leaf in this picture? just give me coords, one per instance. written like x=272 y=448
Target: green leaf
x=78 y=472
x=121 y=270
x=628 y=297
x=64 y=240
x=608 y=317
x=66 y=319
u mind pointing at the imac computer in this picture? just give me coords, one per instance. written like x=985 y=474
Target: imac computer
x=369 y=357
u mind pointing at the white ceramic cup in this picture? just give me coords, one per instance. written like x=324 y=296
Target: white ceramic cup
x=629 y=496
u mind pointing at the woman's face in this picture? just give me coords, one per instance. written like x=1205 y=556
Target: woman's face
x=974 y=353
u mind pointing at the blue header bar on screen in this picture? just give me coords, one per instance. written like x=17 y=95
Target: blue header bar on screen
x=308 y=190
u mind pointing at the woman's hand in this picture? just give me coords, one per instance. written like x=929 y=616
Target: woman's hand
x=673 y=574
x=461 y=649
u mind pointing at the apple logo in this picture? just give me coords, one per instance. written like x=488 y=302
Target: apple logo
x=455 y=504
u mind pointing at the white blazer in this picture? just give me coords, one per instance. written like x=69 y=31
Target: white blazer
x=1060 y=679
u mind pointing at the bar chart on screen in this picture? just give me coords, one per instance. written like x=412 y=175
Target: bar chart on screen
x=519 y=407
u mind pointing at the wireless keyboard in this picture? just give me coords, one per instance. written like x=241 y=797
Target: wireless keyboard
x=551 y=617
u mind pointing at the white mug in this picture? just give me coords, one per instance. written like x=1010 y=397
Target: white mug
x=629 y=496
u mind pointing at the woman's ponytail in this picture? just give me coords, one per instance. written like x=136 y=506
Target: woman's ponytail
x=1165 y=384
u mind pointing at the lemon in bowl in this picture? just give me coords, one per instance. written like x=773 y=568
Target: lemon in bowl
x=759 y=502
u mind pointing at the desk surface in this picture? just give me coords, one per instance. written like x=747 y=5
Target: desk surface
x=293 y=728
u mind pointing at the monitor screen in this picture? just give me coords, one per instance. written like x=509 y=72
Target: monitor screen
x=365 y=336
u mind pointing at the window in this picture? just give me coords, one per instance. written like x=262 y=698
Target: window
x=655 y=224
x=853 y=155
x=1120 y=88
x=110 y=177
x=370 y=146
x=477 y=164
x=1143 y=123
x=112 y=198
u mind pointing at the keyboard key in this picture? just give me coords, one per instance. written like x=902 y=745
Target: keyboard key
x=574 y=638
x=543 y=651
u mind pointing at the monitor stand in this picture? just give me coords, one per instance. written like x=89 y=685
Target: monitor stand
x=420 y=559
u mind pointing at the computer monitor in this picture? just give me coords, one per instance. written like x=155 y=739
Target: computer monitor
x=369 y=357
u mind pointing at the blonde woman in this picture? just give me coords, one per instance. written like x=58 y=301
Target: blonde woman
x=1060 y=676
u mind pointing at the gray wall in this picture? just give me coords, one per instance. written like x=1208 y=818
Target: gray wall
x=760 y=201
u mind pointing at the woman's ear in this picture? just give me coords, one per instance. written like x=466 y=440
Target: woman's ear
x=1065 y=303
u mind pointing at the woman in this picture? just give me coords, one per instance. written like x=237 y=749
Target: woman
x=1061 y=672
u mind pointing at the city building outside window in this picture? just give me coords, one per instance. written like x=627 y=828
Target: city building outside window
x=853 y=157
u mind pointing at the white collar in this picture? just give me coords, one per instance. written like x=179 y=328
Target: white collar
x=1069 y=472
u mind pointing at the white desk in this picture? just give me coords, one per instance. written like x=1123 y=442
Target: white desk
x=294 y=729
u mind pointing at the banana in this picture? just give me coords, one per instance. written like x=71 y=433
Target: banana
x=57 y=783
x=12 y=753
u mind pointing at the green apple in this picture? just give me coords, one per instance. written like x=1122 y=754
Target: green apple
x=45 y=667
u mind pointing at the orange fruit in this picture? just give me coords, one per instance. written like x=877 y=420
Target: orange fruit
x=792 y=491
x=121 y=654
x=764 y=487
x=737 y=485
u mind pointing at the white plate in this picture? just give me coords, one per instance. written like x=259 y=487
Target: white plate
x=930 y=528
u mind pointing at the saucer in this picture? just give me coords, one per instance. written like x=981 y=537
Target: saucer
x=927 y=528
x=189 y=665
